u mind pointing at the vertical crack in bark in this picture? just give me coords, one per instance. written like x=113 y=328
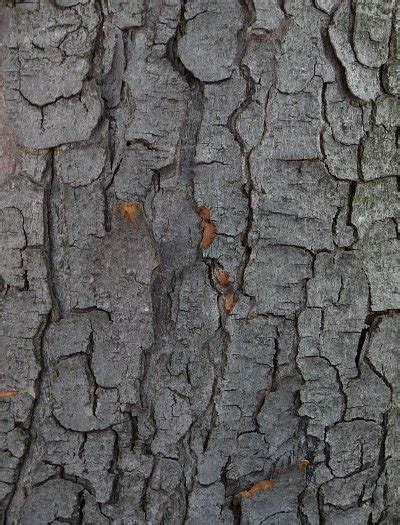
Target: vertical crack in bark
x=115 y=468
x=388 y=420
x=32 y=451
x=247 y=188
x=326 y=125
x=351 y=195
x=49 y=224
x=91 y=378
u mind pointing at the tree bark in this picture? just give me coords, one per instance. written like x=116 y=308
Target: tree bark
x=200 y=280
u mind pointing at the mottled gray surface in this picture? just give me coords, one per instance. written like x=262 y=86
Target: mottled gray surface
x=152 y=373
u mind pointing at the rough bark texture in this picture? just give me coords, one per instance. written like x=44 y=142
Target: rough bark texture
x=199 y=262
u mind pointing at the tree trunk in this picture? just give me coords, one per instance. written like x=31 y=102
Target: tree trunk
x=199 y=262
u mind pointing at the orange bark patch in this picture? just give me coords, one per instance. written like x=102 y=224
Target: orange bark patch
x=229 y=302
x=208 y=227
x=303 y=464
x=129 y=210
x=222 y=276
x=261 y=485
x=5 y=394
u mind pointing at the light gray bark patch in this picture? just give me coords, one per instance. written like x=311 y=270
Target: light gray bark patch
x=286 y=268
x=362 y=81
x=374 y=201
x=164 y=110
x=368 y=402
x=56 y=499
x=345 y=117
x=326 y=5
x=382 y=348
x=372 y=28
x=392 y=68
x=77 y=406
x=127 y=13
x=348 y=455
x=80 y=165
x=299 y=59
x=340 y=497
x=293 y=123
x=322 y=401
x=25 y=197
x=268 y=15
x=204 y=505
x=296 y=205
x=211 y=31
x=48 y=75
x=379 y=250
x=341 y=159
x=13 y=241
x=379 y=155
x=93 y=462
x=64 y=121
